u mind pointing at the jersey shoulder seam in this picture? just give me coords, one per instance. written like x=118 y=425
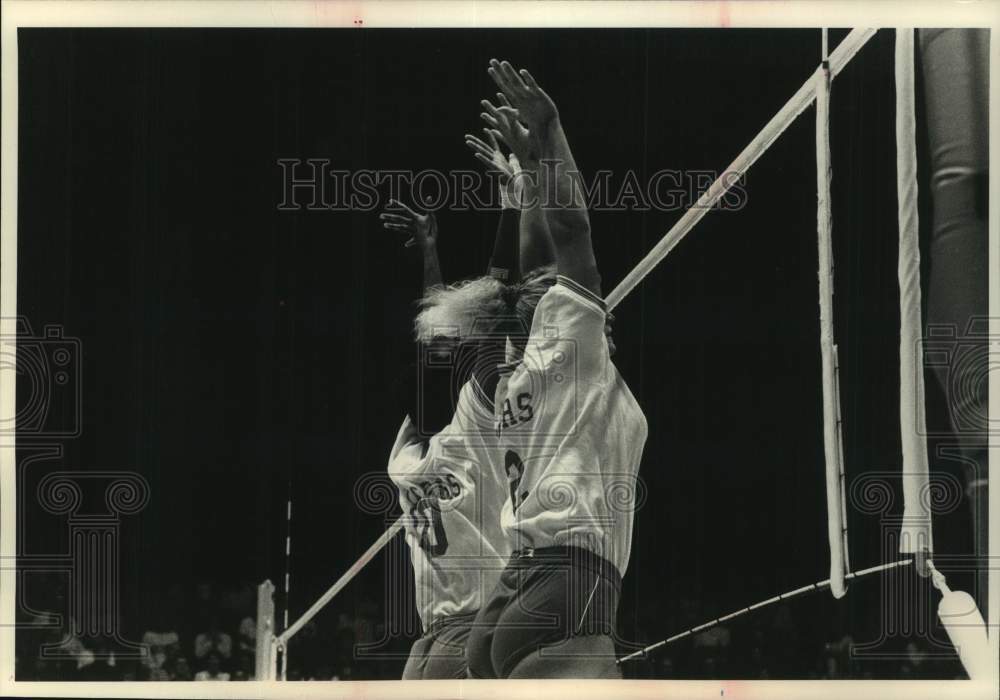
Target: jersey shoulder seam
x=583 y=293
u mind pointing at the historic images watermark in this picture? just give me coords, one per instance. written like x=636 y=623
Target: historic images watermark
x=313 y=184
x=964 y=360
x=46 y=369
x=907 y=609
x=70 y=598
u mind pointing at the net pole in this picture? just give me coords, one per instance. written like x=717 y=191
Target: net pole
x=915 y=532
x=802 y=98
x=264 y=661
x=288 y=558
x=833 y=457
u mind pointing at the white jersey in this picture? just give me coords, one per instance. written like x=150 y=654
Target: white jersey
x=571 y=433
x=451 y=496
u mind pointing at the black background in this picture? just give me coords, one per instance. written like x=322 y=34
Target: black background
x=233 y=353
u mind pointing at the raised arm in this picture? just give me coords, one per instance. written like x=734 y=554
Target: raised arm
x=518 y=182
x=503 y=264
x=536 y=242
x=560 y=190
x=427 y=396
x=423 y=232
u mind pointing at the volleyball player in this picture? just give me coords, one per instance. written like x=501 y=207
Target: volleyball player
x=571 y=436
x=450 y=490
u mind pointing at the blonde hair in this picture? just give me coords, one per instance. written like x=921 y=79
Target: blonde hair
x=455 y=310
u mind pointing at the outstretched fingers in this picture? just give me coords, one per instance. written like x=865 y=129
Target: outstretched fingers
x=521 y=100
x=509 y=113
x=496 y=136
x=395 y=204
x=491 y=134
x=506 y=79
x=533 y=87
x=489 y=119
x=494 y=72
x=395 y=219
x=488 y=162
x=529 y=81
x=392 y=222
x=479 y=146
x=489 y=107
x=512 y=77
x=399 y=217
x=396 y=227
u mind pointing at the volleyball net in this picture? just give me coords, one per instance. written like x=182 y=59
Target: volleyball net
x=957 y=610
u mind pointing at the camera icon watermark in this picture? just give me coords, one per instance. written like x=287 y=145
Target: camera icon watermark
x=46 y=369
x=964 y=360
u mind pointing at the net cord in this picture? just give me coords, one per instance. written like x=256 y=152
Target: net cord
x=802 y=98
x=819 y=585
x=333 y=590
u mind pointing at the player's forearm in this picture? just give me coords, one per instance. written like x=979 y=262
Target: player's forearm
x=432 y=266
x=535 y=242
x=504 y=260
x=566 y=209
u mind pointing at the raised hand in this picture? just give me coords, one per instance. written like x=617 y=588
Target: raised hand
x=490 y=155
x=560 y=196
x=504 y=125
x=422 y=228
x=528 y=103
x=511 y=180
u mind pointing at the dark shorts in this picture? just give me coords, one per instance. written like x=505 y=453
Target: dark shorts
x=544 y=597
x=440 y=653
